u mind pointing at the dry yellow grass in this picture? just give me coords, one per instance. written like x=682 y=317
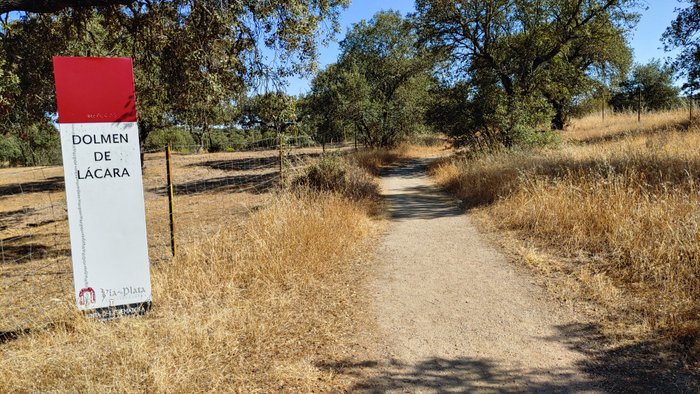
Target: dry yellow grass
x=250 y=308
x=211 y=190
x=373 y=160
x=592 y=128
x=623 y=212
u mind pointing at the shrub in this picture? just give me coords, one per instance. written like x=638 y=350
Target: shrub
x=527 y=137
x=335 y=174
x=374 y=159
x=10 y=151
x=39 y=145
x=218 y=141
x=180 y=139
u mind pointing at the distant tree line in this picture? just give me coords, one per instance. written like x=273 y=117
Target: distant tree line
x=494 y=72
x=484 y=72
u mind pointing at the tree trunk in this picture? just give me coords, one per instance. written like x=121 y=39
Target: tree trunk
x=145 y=129
x=205 y=130
x=559 y=120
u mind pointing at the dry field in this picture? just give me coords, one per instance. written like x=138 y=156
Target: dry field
x=264 y=288
x=253 y=307
x=612 y=217
x=34 y=246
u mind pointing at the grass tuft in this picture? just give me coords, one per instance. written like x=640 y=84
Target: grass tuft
x=337 y=174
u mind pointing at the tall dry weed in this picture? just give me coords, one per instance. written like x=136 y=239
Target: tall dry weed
x=248 y=309
x=593 y=128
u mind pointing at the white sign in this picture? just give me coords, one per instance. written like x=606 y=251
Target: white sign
x=104 y=187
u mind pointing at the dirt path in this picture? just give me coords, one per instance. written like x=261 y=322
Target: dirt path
x=456 y=315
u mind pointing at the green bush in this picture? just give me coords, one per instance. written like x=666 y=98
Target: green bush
x=39 y=145
x=334 y=173
x=180 y=139
x=527 y=137
x=10 y=151
x=218 y=141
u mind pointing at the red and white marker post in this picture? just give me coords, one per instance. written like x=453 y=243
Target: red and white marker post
x=104 y=187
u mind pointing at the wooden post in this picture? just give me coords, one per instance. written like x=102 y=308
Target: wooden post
x=173 y=246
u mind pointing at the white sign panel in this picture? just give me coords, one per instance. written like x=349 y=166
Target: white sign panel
x=104 y=186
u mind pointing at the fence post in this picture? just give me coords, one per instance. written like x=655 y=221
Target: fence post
x=173 y=246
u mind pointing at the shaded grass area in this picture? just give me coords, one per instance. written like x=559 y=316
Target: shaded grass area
x=250 y=308
x=622 y=214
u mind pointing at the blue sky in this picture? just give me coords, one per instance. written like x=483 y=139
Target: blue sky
x=645 y=40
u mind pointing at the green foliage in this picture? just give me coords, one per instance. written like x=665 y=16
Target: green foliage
x=520 y=61
x=177 y=137
x=334 y=173
x=526 y=137
x=192 y=59
x=323 y=111
x=219 y=141
x=379 y=89
x=272 y=112
x=653 y=82
x=10 y=151
x=38 y=144
x=683 y=35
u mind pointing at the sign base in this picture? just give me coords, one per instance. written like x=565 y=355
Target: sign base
x=116 y=312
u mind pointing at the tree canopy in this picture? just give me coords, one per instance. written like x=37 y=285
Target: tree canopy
x=683 y=34
x=381 y=84
x=528 y=59
x=651 y=83
x=193 y=60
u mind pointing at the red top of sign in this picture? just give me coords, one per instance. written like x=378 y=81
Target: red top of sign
x=94 y=89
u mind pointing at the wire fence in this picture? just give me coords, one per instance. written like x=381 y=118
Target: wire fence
x=209 y=189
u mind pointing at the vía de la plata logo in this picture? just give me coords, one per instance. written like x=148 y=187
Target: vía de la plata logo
x=86 y=296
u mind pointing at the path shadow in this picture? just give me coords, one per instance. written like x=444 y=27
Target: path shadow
x=253 y=183
x=455 y=375
x=48 y=185
x=414 y=168
x=643 y=367
x=421 y=201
